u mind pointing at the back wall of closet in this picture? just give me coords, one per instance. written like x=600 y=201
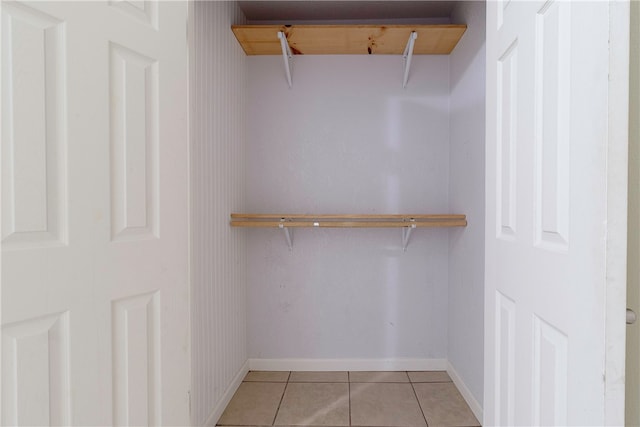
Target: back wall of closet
x=347 y=138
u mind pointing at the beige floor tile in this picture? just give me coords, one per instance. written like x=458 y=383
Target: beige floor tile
x=267 y=376
x=378 y=377
x=254 y=404
x=382 y=404
x=315 y=404
x=429 y=377
x=319 y=377
x=443 y=405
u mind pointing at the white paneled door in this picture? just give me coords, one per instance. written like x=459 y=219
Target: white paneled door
x=94 y=213
x=555 y=230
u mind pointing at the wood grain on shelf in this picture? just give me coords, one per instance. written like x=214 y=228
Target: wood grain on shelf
x=348 y=39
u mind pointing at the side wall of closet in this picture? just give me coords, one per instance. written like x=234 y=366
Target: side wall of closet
x=466 y=194
x=218 y=99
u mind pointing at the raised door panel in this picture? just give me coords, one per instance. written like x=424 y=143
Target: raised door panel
x=552 y=121
x=550 y=374
x=144 y=11
x=507 y=147
x=136 y=360
x=34 y=148
x=36 y=387
x=134 y=144
x=505 y=334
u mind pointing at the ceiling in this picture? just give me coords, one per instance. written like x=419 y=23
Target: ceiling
x=354 y=10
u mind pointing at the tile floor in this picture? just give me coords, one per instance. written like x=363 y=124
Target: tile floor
x=386 y=399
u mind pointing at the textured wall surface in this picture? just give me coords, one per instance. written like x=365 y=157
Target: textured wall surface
x=347 y=138
x=218 y=175
x=466 y=194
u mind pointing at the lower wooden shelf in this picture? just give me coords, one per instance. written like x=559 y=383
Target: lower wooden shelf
x=406 y=222
x=347 y=221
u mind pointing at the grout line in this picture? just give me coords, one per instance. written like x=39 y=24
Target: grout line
x=419 y=404
x=318 y=382
x=349 y=385
x=431 y=382
x=281 y=399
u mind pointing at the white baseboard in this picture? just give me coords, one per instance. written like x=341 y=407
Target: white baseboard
x=476 y=408
x=216 y=413
x=348 y=364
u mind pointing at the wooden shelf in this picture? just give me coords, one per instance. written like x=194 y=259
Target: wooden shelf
x=348 y=39
x=346 y=221
x=286 y=222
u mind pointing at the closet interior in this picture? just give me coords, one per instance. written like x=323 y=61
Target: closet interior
x=337 y=182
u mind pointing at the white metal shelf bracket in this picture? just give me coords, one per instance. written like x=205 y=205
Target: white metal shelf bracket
x=288 y=234
x=406 y=234
x=406 y=56
x=286 y=55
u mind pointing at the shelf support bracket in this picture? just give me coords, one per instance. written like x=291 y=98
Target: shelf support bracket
x=286 y=55
x=288 y=234
x=406 y=234
x=407 y=55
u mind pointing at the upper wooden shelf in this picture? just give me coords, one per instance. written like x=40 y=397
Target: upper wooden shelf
x=348 y=39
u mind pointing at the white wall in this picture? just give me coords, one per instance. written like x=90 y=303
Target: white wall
x=466 y=195
x=218 y=175
x=348 y=139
